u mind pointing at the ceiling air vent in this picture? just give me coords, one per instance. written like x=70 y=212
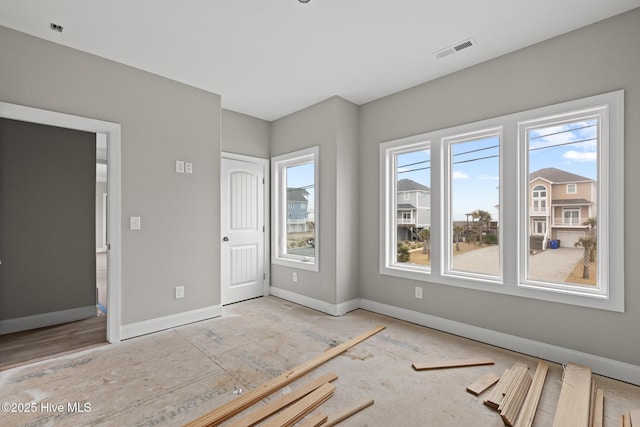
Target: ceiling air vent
x=455 y=48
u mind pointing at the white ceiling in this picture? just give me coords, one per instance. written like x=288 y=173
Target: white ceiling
x=269 y=58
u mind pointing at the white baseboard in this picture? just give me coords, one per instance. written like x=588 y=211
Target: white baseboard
x=167 y=322
x=316 y=304
x=46 y=319
x=600 y=365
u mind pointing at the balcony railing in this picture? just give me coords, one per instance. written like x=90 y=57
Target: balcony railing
x=569 y=223
x=406 y=221
x=538 y=211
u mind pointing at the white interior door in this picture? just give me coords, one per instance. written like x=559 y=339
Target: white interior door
x=242 y=230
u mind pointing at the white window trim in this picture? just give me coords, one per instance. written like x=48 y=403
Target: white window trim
x=278 y=167
x=514 y=216
x=575 y=188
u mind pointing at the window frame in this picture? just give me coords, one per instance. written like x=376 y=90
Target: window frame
x=279 y=164
x=388 y=207
x=514 y=210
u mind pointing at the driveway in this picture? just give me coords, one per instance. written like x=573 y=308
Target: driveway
x=550 y=265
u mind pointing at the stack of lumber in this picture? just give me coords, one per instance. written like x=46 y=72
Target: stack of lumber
x=510 y=393
x=294 y=406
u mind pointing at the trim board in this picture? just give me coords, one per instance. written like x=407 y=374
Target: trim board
x=42 y=320
x=167 y=322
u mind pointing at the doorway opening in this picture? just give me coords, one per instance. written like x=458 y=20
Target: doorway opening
x=109 y=133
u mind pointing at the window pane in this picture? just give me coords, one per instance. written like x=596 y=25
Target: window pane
x=300 y=210
x=413 y=208
x=563 y=158
x=475 y=181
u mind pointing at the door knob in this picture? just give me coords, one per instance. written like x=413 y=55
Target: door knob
x=225 y=239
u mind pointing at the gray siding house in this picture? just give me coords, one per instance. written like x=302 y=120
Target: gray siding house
x=413 y=203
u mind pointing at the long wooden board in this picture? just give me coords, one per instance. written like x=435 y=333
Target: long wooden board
x=575 y=394
x=272 y=407
x=301 y=408
x=634 y=416
x=483 y=383
x=515 y=400
x=445 y=364
x=347 y=412
x=315 y=420
x=530 y=405
x=233 y=407
x=598 y=411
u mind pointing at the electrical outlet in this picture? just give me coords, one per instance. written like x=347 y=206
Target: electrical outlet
x=418 y=292
x=179 y=166
x=295 y=276
x=179 y=292
x=188 y=167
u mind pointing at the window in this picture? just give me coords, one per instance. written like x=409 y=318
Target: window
x=407 y=229
x=547 y=184
x=295 y=209
x=571 y=216
x=470 y=204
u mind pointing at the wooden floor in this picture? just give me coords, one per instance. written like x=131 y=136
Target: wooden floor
x=29 y=346
x=172 y=377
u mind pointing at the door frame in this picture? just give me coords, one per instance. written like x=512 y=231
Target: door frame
x=265 y=163
x=114 y=234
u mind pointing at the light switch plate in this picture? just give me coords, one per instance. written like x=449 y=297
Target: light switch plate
x=134 y=223
x=188 y=167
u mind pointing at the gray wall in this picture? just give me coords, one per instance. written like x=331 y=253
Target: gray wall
x=331 y=125
x=599 y=58
x=47 y=218
x=162 y=121
x=242 y=134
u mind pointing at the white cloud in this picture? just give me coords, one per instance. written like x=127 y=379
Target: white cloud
x=588 y=156
x=459 y=175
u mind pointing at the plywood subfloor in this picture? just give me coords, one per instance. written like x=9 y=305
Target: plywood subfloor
x=172 y=377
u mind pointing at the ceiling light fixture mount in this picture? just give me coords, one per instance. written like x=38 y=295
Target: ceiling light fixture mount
x=56 y=27
x=304 y=1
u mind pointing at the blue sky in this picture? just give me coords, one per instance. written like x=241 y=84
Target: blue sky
x=568 y=146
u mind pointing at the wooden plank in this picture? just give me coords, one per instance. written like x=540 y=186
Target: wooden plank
x=622 y=421
x=497 y=396
x=314 y=420
x=627 y=419
x=301 y=408
x=445 y=364
x=515 y=401
x=272 y=407
x=592 y=401
x=634 y=417
x=233 y=407
x=530 y=405
x=347 y=412
x=575 y=393
x=518 y=377
x=483 y=383
x=598 y=409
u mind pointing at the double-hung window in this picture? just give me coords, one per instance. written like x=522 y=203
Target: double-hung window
x=295 y=209
x=528 y=204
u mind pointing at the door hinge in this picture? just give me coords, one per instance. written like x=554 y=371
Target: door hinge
x=263 y=228
x=264 y=276
x=263 y=180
